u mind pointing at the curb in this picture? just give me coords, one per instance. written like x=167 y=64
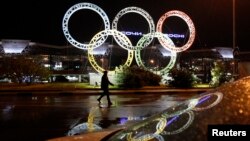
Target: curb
x=98 y=91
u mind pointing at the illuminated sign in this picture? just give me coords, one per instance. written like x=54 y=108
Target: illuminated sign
x=131 y=33
x=176 y=35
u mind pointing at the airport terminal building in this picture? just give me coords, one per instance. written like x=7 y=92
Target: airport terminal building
x=73 y=63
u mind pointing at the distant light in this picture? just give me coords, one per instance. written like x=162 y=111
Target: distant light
x=164 y=51
x=14 y=46
x=58 y=66
x=46 y=65
x=101 y=50
x=72 y=78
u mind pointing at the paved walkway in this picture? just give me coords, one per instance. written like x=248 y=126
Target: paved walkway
x=42 y=117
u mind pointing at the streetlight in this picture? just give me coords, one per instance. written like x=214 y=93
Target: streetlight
x=234 y=38
x=102 y=60
x=234 y=30
x=152 y=61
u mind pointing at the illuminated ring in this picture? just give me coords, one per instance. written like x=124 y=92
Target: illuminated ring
x=161 y=125
x=102 y=36
x=190 y=120
x=218 y=100
x=75 y=8
x=145 y=40
x=138 y=11
x=159 y=128
x=191 y=28
x=148 y=137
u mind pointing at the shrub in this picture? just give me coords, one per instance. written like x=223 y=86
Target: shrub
x=135 y=77
x=181 y=78
x=218 y=74
x=61 y=78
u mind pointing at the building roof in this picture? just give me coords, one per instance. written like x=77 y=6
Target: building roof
x=33 y=48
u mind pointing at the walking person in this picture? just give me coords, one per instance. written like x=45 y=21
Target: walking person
x=105 y=87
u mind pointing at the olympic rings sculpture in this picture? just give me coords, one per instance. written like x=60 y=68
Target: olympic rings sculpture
x=121 y=38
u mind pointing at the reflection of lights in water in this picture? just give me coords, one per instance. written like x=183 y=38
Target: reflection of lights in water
x=140 y=136
x=141 y=131
x=185 y=126
x=201 y=99
x=7 y=112
x=87 y=126
x=147 y=137
x=91 y=118
x=8 y=108
x=172 y=120
x=124 y=120
x=81 y=128
x=180 y=108
x=161 y=125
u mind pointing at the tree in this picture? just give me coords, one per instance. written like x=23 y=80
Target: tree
x=218 y=74
x=20 y=68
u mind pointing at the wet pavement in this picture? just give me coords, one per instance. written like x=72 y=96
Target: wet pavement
x=37 y=118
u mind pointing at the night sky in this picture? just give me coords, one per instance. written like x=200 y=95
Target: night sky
x=41 y=20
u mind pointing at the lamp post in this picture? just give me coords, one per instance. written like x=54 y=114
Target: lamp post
x=234 y=30
x=152 y=61
x=234 y=39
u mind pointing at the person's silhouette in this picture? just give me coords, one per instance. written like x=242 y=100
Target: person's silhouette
x=105 y=87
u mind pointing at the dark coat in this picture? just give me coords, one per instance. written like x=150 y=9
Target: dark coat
x=105 y=82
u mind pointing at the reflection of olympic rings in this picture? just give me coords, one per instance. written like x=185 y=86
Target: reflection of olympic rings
x=162 y=122
x=122 y=40
x=87 y=126
x=185 y=126
x=180 y=108
x=142 y=132
x=147 y=137
x=201 y=100
x=190 y=27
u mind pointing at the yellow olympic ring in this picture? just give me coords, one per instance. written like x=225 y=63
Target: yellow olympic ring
x=123 y=39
